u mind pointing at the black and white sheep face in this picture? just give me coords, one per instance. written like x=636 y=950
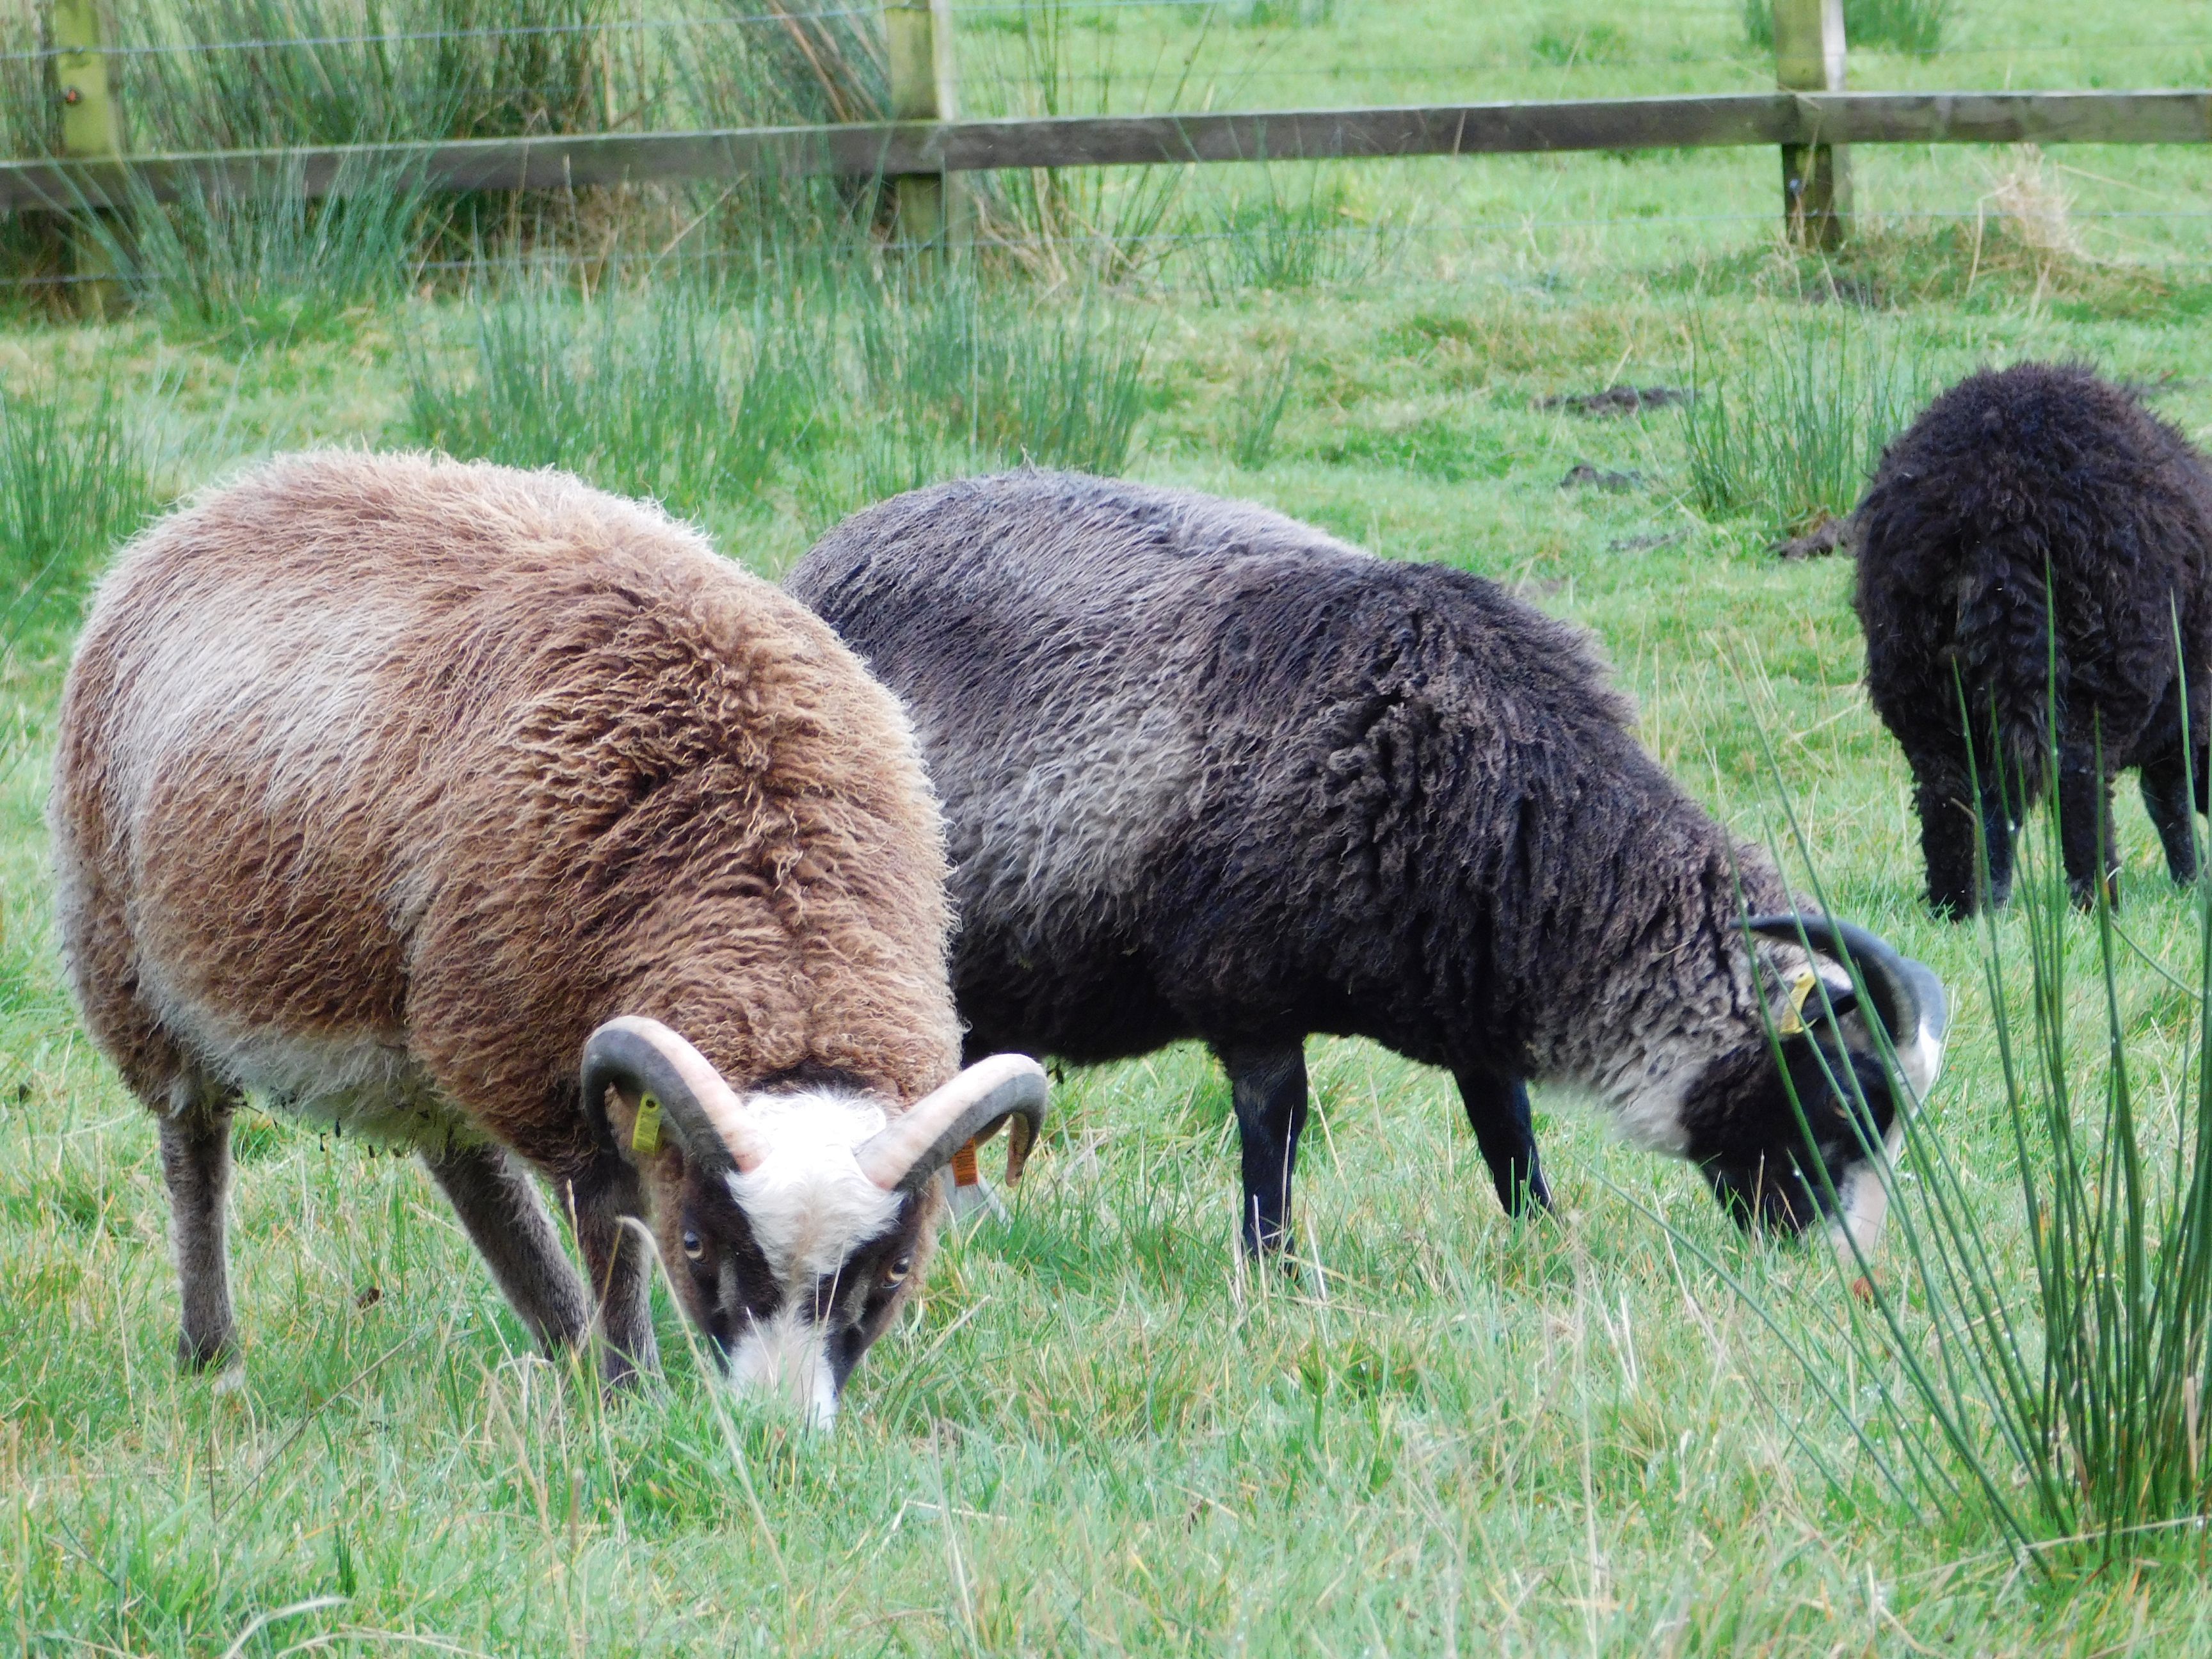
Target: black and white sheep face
x=1806 y=1126
x=792 y=1220
x=794 y=1267
x=1769 y=1171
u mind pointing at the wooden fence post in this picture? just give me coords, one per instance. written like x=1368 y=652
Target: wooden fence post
x=1816 y=178
x=92 y=125
x=918 y=40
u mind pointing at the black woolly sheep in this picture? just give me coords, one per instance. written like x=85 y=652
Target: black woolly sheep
x=1212 y=773
x=2020 y=495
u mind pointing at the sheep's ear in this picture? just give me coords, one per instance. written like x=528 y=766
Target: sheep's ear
x=914 y=1145
x=1906 y=996
x=670 y=1089
x=639 y=1135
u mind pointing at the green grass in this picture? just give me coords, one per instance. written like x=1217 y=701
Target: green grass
x=1914 y=26
x=842 y=392
x=250 y=270
x=1102 y=1434
x=2071 y=1416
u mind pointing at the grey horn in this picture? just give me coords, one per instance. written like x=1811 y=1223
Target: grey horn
x=1007 y=1088
x=1907 y=994
x=646 y=1060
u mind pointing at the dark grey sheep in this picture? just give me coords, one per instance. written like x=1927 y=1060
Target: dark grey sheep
x=2040 y=476
x=1209 y=772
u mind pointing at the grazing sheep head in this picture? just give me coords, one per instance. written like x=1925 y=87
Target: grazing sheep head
x=1767 y=1168
x=793 y=1221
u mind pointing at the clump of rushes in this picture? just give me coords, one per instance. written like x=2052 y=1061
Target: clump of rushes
x=2073 y=1415
x=74 y=481
x=1791 y=436
x=852 y=387
x=957 y=364
x=656 y=396
x=1258 y=412
x=283 y=265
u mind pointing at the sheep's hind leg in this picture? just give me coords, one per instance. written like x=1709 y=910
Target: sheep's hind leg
x=2167 y=797
x=196 y=1166
x=507 y=1221
x=1498 y=1108
x=1268 y=1085
x=2085 y=829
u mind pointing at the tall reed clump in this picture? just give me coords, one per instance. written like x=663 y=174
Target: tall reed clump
x=1058 y=223
x=781 y=62
x=1292 y=233
x=278 y=263
x=1792 y=436
x=655 y=394
x=74 y=481
x=1911 y=26
x=961 y=373
x=2048 y=1367
x=26 y=102
x=253 y=74
x=28 y=248
x=848 y=387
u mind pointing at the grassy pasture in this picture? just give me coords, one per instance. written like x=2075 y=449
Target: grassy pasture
x=1101 y=1433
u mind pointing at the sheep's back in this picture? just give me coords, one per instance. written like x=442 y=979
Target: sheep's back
x=1194 y=741
x=460 y=760
x=2011 y=480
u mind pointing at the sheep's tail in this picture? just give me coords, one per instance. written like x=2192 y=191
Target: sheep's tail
x=2003 y=646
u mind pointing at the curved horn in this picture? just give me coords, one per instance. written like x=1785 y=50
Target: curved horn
x=922 y=1140
x=643 y=1057
x=1907 y=995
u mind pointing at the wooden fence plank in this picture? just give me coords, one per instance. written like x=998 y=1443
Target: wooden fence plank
x=890 y=149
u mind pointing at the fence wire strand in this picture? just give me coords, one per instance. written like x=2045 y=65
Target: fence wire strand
x=526 y=264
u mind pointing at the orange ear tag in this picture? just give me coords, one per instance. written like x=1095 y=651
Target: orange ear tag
x=964 y=1173
x=645 y=1136
x=1793 y=1022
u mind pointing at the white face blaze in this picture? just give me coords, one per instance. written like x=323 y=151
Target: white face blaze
x=1863 y=1197
x=810 y=1207
x=785 y=1358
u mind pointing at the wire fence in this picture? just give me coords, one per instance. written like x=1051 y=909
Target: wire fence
x=310 y=78
x=1473 y=236
x=1609 y=51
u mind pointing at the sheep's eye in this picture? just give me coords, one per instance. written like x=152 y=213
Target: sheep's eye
x=899 y=1269
x=692 y=1247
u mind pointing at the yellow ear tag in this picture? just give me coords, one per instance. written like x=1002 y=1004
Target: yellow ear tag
x=1793 y=1022
x=645 y=1137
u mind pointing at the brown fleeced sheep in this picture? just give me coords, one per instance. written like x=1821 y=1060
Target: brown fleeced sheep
x=485 y=813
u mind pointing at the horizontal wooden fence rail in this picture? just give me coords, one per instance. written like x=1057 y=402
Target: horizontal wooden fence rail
x=894 y=148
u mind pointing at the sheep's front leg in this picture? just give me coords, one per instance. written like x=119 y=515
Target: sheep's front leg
x=1498 y=1108
x=620 y=1264
x=500 y=1208
x=1268 y=1085
x=1947 y=840
x=196 y=1166
x=1997 y=820
x=2167 y=797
